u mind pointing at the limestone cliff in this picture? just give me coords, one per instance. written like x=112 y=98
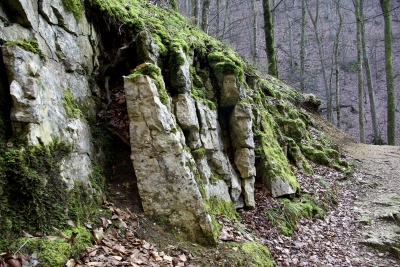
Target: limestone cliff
x=202 y=124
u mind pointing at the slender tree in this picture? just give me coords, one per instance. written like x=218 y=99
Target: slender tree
x=360 y=73
x=371 y=93
x=204 y=15
x=391 y=97
x=303 y=45
x=321 y=55
x=269 y=39
x=255 y=28
x=336 y=64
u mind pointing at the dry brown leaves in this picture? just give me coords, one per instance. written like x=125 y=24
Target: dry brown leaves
x=120 y=247
x=328 y=241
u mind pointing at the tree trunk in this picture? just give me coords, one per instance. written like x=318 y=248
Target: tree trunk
x=391 y=98
x=302 y=45
x=371 y=93
x=360 y=73
x=227 y=7
x=336 y=63
x=269 y=40
x=204 y=15
x=291 y=50
x=321 y=59
x=196 y=12
x=254 y=12
x=218 y=18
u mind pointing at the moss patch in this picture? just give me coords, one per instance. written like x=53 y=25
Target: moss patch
x=75 y=6
x=40 y=198
x=258 y=255
x=71 y=105
x=28 y=45
x=287 y=215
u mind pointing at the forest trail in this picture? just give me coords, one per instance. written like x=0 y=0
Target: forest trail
x=377 y=203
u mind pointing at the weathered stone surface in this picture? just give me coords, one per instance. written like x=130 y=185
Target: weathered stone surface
x=236 y=191
x=76 y=51
x=278 y=187
x=209 y=127
x=163 y=167
x=147 y=50
x=25 y=12
x=37 y=86
x=229 y=94
x=180 y=77
x=185 y=112
x=245 y=162
x=248 y=192
x=219 y=189
x=241 y=127
x=219 y=162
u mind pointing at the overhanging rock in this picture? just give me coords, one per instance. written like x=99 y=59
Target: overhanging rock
x=164 y=168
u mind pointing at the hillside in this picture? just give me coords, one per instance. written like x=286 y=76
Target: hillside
x=129 y=102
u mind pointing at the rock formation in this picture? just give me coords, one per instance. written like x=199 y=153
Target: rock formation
x=200 y=128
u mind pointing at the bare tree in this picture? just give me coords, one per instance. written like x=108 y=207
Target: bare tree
x=321 y=54
x=391 y=97
x=302 y=45
x=204 y=15
x=371 y=93
x=359 y=73
x=254 y=13
x=269 y=39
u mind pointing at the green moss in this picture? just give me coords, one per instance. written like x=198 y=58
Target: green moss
x=28 y=45
x=154 y=73
x=274 y=162
x=226 y=208
x=71 y=105
x=40 y=197
x=214 y=177
x=199 y=152
x=59 y=55
x=258 y=255
x=295 y=155
x=287 y=214
x=97 y=178
x=75 y=6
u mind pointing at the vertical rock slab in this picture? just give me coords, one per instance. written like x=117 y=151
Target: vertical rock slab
x=185 y=112
x=241 y=127
x=163 y=166
x=148 y=50
x=180 y=73
x=243 y=141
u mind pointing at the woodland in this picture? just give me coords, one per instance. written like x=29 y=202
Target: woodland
x=199 y=133
x=333 y=49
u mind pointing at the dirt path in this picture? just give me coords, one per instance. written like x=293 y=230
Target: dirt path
x=377 y=204
x=376 y=186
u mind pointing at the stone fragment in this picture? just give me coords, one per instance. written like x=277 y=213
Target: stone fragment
x=245 y=162
x=229 y=92
x=185 y=112
x=248 y=192
x=219 y=189
x=236 y=190
x=147 y=50
x=180 y=75
x=163 y=167
x=210 y=130
x=241 y=127
x=279 y=187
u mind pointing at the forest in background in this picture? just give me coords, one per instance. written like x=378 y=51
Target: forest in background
x=329 y=29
